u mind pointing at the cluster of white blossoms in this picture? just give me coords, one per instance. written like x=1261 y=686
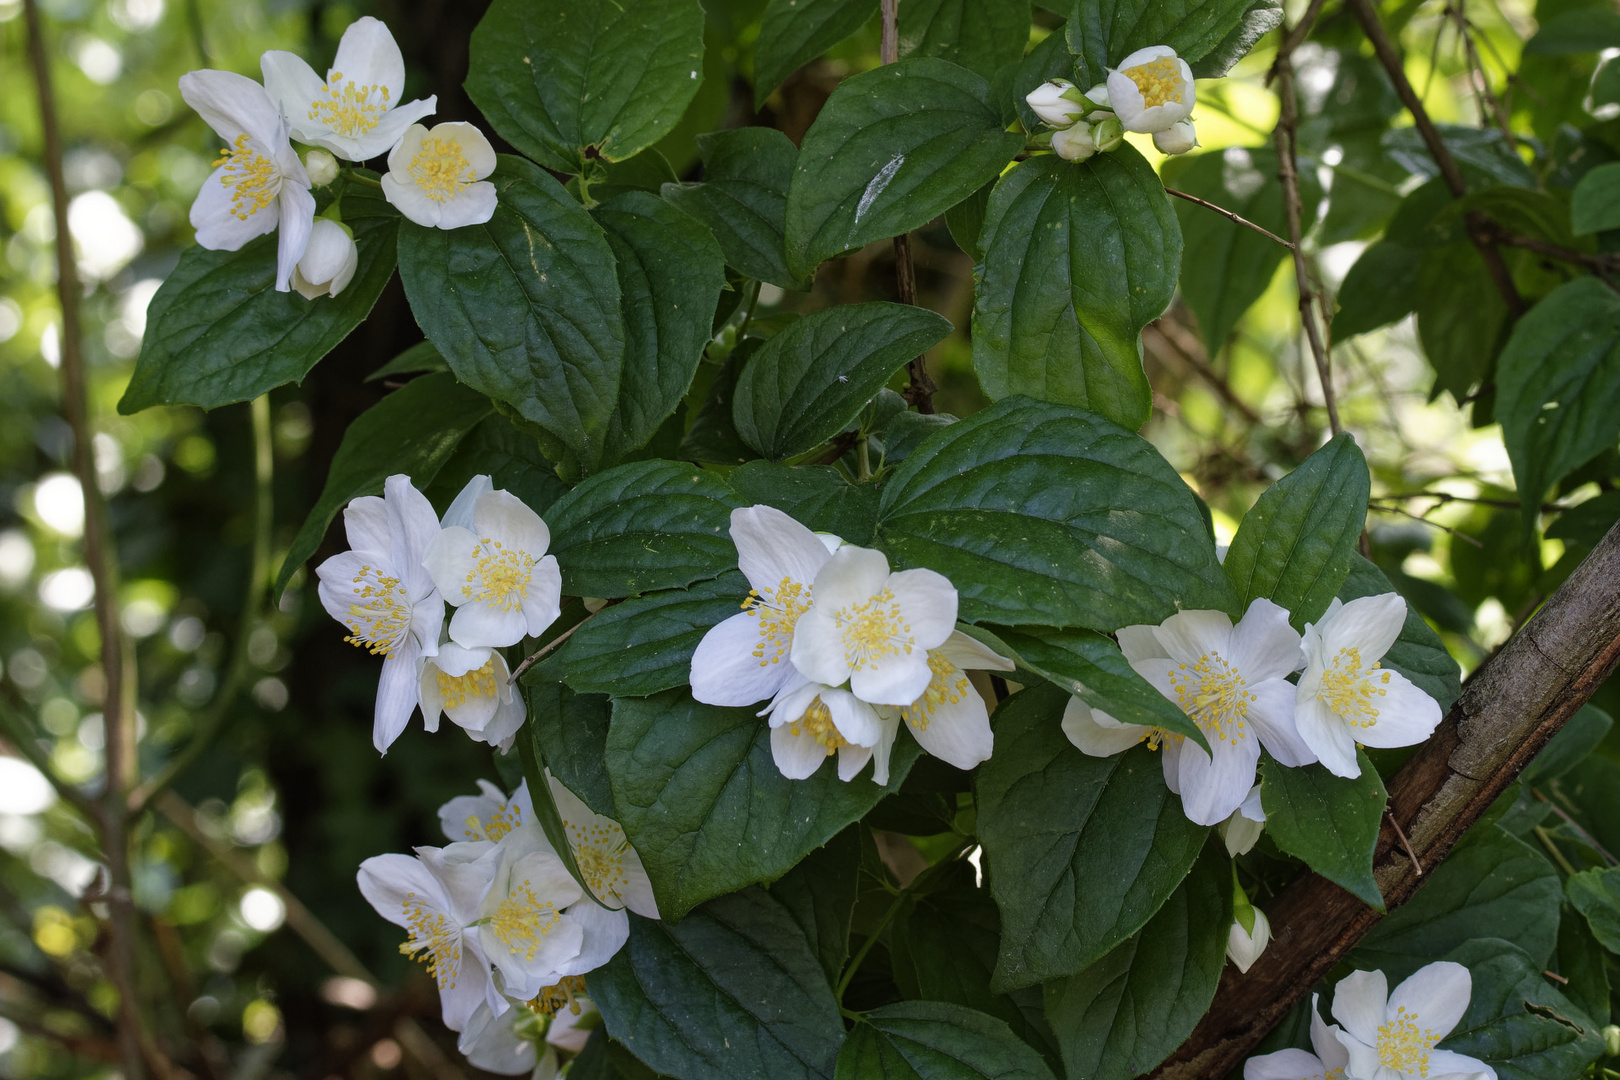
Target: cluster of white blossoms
x=435 y=177
x=1385 y=1036
x=1151 y=92
x=843 y=649
x=505 y=930
x=487 y=559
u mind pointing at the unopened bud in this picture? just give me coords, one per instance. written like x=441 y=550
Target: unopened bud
x=1244 y=947
x=1098 y=96
x=1074 y=143
x=1107 y=134
x=321 y=166
x=1611 y=1040
x=1177 y=139
x=1052 y=105
x=329 y=260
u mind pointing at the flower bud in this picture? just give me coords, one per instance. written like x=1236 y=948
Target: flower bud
x=1052 y=106
x=1151 y=90
x=1098 y=96
x=321 y=166
x=328 y=262
x=1177 y=139
x=1107 y=134
x=1074 y=143
x=1611 y=1040
x=1243 y=947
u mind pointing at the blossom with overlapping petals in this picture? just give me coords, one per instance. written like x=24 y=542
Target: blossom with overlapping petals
x=811 y=721
x=1392 y=1035
x=1328 y=1063
x=1151 y=90
x=949 y=719
x=436 y=177
x=496 y=574
x=471 y=687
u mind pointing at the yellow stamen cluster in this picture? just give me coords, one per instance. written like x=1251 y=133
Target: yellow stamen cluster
x=1214 y=694
x=252 y=178
x=552 y=998
x=948 y=687
x=440 y=169
x=432 y=941
x=507 y=816
x=1403 y=1046
x=1159 y=80
x=817 y=722
x=456 y=689
x=381 y=615
x=1156 y=737
x=777 y=610
x=523 y=920
x=873 y=629
x=347 y=108
x=1349 y=690
x=500 y=575
x=599 y=853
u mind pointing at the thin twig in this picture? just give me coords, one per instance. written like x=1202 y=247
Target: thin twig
x=1586 y=837
x=1294 y=38
x=1552 y=849
x=1417 y=866
x=1457 y=534
x=1191 y=352
x=1225 y=213
x=539 y=654
x=1441 y=497
x=1475 y=66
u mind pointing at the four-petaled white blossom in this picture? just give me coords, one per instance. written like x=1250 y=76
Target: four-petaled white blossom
x=1345 y=697
x=810 y=721
x=329 y=261
x=496 y=574
x=1231 y=681
x=470 y=687
x=356 y=112
x=607 y=862
x=1392 y=1036
x=1151 y=90
x=382 y=592
x=1328 y=1063
x=258 y=183
x=949 y=719
x=436 y=177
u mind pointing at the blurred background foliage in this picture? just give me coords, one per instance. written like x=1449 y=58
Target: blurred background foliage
x=290 y=796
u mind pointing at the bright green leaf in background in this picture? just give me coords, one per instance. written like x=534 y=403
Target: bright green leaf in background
x=931 y=1040
x=1595 y=205
x=794 y=32
x=743 y=199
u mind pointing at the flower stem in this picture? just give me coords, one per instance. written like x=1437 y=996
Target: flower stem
x=1552 y=849
x=900 y=895
x=864 y=457
x=354 y=177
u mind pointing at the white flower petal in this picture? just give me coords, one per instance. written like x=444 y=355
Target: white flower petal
x=1324 y=1039
x=1081 y=725
x=292 y=84
x=796 y=756
x=460 y=512
x=1359 y=1002
x=637 y=890
x=412 y=526
x=408 y=199
x=851 y=576
x=818 y=648
x=969 y=654
x=1188 y=635
x=217 y=228
x=928 y=601
x=1287 y=1064
x=1449 y=1065
x=367 y=55
x=1272 y=715
x=542 y=603
x=896 y=679
x=1213 y=787
x=1328 y=737
x=957 y=732
x=503 y=516
x=365 y=523
x=1436 y=993
x=773 y=548
x=885 y=746
x=1369 y=624
x=725 y=670
x=448 y=560
x=851 y=760
x=605 y=932
x=234 y=105
x=296 y=219
x=387 y=881
x=1264 y=646
x=472 y=205
x=855 y=720
x=478 y=625
x=397 y=694
x=1406 y=715
x=1140 y=642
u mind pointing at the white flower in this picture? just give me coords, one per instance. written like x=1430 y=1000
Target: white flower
x=321 y=167
x=1231 y=681
x=488 y=815
x=1391 y=1036
x=1345 y=698
x=1242 y=830
x=507 y=1044
x=383 y=594
x=470 y=687
x=523 y=926
x=609 y=865
x=1243 y=947
x=1151 y=90
x=1074 y=143
x=1053 y=103
x=746 y=658
x=873 y=627
x=1328 y=1063
x=258 y=182
x=809 y=721
x=436 y=178
x=1178 y=138
x=328 y=262
x=949 y=719
x=353 y=113
x=497 y=574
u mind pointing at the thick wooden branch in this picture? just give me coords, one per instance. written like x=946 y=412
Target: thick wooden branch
x=1514 y=703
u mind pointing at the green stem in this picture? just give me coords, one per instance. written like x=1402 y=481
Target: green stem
x=1552 y=849
x=355 y=177
x=864 y=457
x=748 y=312
x=917 y=883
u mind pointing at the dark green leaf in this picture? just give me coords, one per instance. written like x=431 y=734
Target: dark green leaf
x=1380 y=288
x=1579 y=737
x=525 y=307
x=1517 y=1021
x=820 y=895
x=510 y=457
x=1556 y=383
x=1460 y=317
x=1418 y=653
x=1108 y=247
x=570 y=731
x=795 y=32
x=1328 y=821
x=810 y=381
x=1262 y=18
x=605 y=180
x=892 y=149
x=1596 y=895
x=605 y=1059
x=713 y=436
x=1484 y=156
x=817 y=496
x=1079 y=851
x=980 y=35
x=1046 y=515
x=743 y=199
x=1587 y=523
x=930 y=1040
x=413 y=431
x=1581 y=960
x=1296 y=545
x=544 y=805
x=1584 y=30
x=643 y=526
x=703 y=802
x=421 y=357
x=733 y=991
x=671 y=273
x=218 y=332
x=965 y=220
x=1106 y=33
x=555 y=77
x=1124 y=1014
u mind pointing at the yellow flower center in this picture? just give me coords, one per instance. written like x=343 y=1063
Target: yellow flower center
x=381 y=615
x=347 y=108
x=553 y=998
x=456 y=689
x=500 y=575
x=505 y=818
x=817 y=722
x=440 y=169
x=1403 y=1046
x=1214 y=694
x=1159 y=80
x=1155 y=737
x=777 y=610
x=1350 y=690
x=599 y=854
x=433 y=941
x=523 y=920
x=253 y=178
x=873 y=629
x=948 y=687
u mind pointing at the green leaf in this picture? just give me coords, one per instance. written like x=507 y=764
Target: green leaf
x=1106 y=33
x=817 y=496
x=1596 y=895
x=570 y=732
x=525 y=307
x=810 y=381
x=643 y=526
x=671 y=273
x=743 y=199
x=1046 y=515
x=1583 y=30
x=1583 y=962
x=965 y=220
x=1262 y=17
x=820 y=895
x=1418 y=653
x=1124 y=1014
x=1379 y=289
x=732 y=991
x=1582 y=734
x=564 y=82
x=413 y=431
x=1108 y=247
x=606 y=1059
x=1296 y=545
x=1556 y=383
x=891 y=150
x=645 y=645
x=1517 y=1021
x=218 y=332
x=1586 y=524
x=1328 y=821
x=1079 y=851
x=419 y=358
x=1491 y=885
x=930 y=1040
x=702 y=800
x=794 y=32
x=713 y=436
x=980 y=35
x=1460 y=317
x=544 y=805
x=1225 y=267
x=511 y=458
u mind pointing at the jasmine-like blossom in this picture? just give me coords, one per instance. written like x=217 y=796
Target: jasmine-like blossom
x=1392 y=1036
x=436 y=177
x=1242 y=830
x=1345 y=697
x=811 y=721
x=526 y=1039
x=1151 y=90
x=470 y=687
x=258 y=183
x=607 y=862
x=1328 y=1063
x=356 y=112
x=381 y=591
x=496 y=574
x=949 y=719
x=329 y=261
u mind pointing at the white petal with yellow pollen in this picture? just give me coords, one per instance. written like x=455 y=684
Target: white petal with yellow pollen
x=489 y=815
x=468 y=685
x=522 y=927
x=1151 y=90
x=436 y=178
x=1094 y=732
x=604 y=856
x=1392 y=1036
x=950 y=719
x=810 y=721
x=497 y=574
